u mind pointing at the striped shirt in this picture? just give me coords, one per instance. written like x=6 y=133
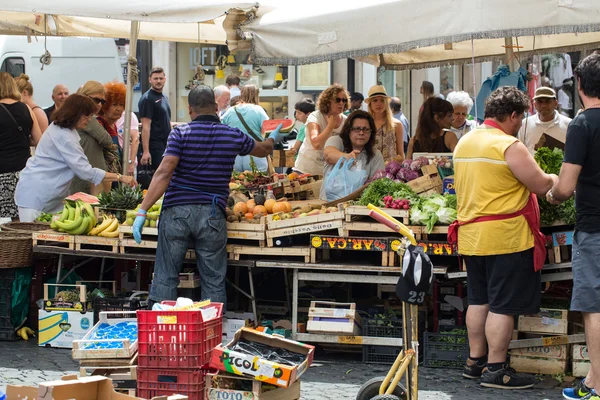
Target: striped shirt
x=206 y=149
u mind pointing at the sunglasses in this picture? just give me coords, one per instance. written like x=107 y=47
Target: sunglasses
x=97 y=100
x=357 y=129
x=340 y=100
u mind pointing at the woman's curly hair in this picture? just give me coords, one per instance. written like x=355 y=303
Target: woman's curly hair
x=328 y=95
x=115 y=93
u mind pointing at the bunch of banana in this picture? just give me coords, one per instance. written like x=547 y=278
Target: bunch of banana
x=77 y=220
x=108 y=228
x=25 y=332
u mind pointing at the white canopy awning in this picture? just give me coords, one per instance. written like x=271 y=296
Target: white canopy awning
x=417 y=33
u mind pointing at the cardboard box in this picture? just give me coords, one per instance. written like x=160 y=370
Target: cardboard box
x=60 y=328
x=257 y=368
x=90 y=388
x=260 y=391
x=233 y=322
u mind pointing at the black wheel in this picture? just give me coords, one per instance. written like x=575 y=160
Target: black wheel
x=370 y=391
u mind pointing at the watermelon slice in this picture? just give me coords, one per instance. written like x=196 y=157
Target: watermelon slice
x=269 y=126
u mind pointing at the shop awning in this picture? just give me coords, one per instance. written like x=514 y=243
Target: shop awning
x=400 y=34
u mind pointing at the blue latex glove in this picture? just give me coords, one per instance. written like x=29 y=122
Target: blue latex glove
x=276 y=135
x=138 y=225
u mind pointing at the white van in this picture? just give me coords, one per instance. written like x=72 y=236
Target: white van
x=74 y=62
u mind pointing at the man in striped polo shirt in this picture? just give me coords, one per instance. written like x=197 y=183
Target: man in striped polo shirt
x=194 y=176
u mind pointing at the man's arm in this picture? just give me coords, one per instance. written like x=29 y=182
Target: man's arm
x=526 y=170
x=262 y=149
x=566 y=184
x=160 y=181
x=146 y=122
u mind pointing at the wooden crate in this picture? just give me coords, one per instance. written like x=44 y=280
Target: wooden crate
x=236 y=252
x=547 y=321
x=52 y=238
x=128 y=350
x=539 y=365
x=562 y=243
x=304 y=225
x=355 y=213
x=260 y=391
x=83 y=242
x=149 y=238
x=335 y=319
x=321 y=245
x=248 y=232
x=307 y=191
x=429 y=183
x=282 y=158
x=581 y=360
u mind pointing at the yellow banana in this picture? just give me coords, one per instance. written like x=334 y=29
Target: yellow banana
x=23 y=334
x=108 y=234
x=90 y=211
x=29 y=331
x=113 y=225
x=105 y=224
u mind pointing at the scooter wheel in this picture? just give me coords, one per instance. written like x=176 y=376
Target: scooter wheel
x=370 y=391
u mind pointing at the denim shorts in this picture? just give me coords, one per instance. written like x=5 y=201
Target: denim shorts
x=586 y=272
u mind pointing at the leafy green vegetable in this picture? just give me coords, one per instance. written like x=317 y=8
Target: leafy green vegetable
x=374 y=193
x=436 y=208
x=550 y=161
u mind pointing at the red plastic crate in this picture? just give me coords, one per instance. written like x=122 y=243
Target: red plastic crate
x=177 y=339
x=167 y=382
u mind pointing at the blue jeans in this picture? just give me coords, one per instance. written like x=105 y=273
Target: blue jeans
x=179 y=226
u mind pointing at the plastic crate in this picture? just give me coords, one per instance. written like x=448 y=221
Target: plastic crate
x=380 y=354
x=177 y=339
x=115 y=304
x=444 y=349
x=7 y=330
x=166 y=382
x=388 y=328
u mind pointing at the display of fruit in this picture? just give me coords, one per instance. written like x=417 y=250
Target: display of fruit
x=122 y=198
x=25 y=332
x=306 y=211
x=70 y=296
x=78 y=220
x=108 y=228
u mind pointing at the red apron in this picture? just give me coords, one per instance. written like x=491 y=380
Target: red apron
x=531 y=213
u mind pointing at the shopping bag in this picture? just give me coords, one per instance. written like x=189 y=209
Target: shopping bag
x=144 y=175
x=342 y=181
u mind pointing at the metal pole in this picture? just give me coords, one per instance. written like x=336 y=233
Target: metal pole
x=135 y=27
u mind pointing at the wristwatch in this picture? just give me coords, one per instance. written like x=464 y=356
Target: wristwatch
x=118 y=177
x=551 y=195
x=130 y=162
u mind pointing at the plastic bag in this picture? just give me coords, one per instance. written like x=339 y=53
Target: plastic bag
x=341 y=181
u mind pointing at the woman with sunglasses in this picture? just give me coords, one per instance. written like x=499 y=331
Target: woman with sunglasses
x=462 y=103
x=356 y=141
x=434 y=122
x=321 y=125
x=94 y=138
x=58 y=158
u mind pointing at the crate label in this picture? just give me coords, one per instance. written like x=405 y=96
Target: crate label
x=554 y=340
x=311 y=228
x=340 y=312
x=429 y=247
x=549 y=321
x=562 y=239
x=166 y=319
x=348 y=243
x=226 y=394
x=583 y=353
x=265 y=369
x=350 y=339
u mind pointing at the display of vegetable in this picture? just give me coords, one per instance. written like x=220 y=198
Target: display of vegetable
x=550 y=161
x=379 y=188
x=434 y=209
x=44 y=217
x=121 y=198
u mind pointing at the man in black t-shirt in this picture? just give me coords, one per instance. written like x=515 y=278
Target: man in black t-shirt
x=581 y=172
x=155 y=115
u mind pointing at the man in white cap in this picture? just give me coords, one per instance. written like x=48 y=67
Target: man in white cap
x=547 y=128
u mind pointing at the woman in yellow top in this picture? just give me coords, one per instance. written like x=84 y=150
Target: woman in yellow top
x=494 y=175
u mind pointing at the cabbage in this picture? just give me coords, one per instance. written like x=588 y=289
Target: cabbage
x=410 y=175
x=393 y=167
x=437 y=199
x=446 y=215
x=401 y=175
x=380 y=173
x=417 y=216
x=390 y=176
x=406 y=163
x=416 y=165
x=423 y=160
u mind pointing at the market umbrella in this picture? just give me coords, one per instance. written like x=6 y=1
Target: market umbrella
x=202 y=21
x=398 y=34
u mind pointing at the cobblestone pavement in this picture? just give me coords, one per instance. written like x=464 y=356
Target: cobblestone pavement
x=24 y=363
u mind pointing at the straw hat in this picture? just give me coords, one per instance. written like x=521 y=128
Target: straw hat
x=376 y=91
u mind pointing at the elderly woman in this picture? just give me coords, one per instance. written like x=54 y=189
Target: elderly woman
x=431 y=135
x=26 y=89
x=108 y=116
x=45 y=181
x=389 y=137
x=462 y=104
x=321 y=125
x=356 y=141
x=94 y=138
x=18 y=130
x=248 y=117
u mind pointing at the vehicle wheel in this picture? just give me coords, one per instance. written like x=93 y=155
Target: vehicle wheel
x=370 y=391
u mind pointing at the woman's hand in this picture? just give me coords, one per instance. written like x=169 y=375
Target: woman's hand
x=332 y=121
x=353 y=154
x=129 y=180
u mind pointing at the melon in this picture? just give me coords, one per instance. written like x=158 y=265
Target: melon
x=269 y=126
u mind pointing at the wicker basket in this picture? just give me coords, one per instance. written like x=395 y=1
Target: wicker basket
x=26 y=227
x=15 y=249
